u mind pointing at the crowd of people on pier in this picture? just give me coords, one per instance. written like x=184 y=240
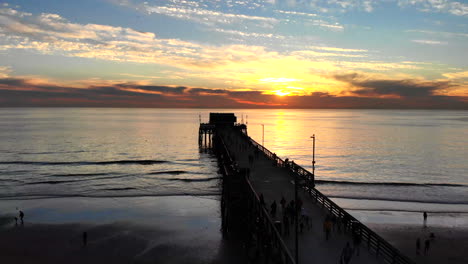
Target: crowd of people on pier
x=293 y=211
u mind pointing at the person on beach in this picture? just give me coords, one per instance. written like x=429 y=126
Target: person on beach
x=418 y=246
x=346 y=254
x=425 y=219
x=21 y=215
x=85 y=239
x=427 y=244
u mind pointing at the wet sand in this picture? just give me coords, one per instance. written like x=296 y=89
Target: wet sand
x=449 y=246
x=119 y=230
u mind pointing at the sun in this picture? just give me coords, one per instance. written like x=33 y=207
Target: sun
x=281 y=93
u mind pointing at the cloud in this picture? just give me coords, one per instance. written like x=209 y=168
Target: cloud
x=456 y=75
x=205 y=16
x=400 y=88
x=337 y=49
x=294 y=13
x=324 y=24
x=248 y=34
x=4 y=71
x=437 y=6
x=440 y=33
x=310 y=53
x=429 y=42
x=19 y=92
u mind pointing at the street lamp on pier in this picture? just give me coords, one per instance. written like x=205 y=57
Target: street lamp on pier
x=263 y=135
x=313 y=162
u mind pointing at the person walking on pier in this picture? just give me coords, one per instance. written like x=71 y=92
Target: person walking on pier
x=283 y=203
x=356 y=242
x=286 y=224
x=327 y=226
x=262 y=200
x=273 y=209
x=346 y=254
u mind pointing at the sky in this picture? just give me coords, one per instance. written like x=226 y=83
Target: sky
x=397 y=54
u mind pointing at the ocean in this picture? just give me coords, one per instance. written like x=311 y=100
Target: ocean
x=366 y=160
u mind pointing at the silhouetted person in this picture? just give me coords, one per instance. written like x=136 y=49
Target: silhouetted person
x=286 y=224
x=262 y=200
x=299 y=205
x=21 y=215
x=346 y=254
x=85 y=239
x=427 y=244
x=283 y=203
x=327 y=226
x=418 y=246
x=357 y=242
x=425 y=219
x=273 y=208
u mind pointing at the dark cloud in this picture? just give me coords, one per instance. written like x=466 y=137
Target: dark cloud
x=12 y=82
x=405 y=88
x=152 y=88
x=207 y=91
x=16 y=92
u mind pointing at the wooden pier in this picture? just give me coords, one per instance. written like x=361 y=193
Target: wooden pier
x=254 y=177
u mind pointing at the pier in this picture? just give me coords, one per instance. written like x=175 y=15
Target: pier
x=254 y=177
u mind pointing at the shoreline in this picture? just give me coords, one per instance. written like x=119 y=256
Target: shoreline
x=448 y=246
x=119 y=230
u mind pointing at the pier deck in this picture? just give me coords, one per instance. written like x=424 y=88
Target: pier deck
x=275 y=181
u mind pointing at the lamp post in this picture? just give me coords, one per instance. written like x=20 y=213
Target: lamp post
x=313 y=154
x=297 y=218
x=263 y=135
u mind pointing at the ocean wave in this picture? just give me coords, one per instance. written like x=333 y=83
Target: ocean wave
x=9 y=180
x=112 y=162
x=49 y=152
x=432 y=211
x=373 y=198
x=390 y=183
x=50 y=182
x=194 y=179
x=122 y=195
x=79 y=174
x=119 y=189
x=175 y=172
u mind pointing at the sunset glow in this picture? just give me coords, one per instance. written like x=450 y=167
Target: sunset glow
x=211 y=54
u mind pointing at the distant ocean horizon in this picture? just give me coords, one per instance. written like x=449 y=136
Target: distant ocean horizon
x=399 y=159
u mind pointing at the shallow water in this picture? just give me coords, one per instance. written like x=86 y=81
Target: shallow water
x=381 y=155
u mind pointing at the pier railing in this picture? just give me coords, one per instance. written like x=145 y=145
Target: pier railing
x=374 y=242
x=276 y=241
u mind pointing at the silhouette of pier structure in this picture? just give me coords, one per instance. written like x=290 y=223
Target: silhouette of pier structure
x=254 y=177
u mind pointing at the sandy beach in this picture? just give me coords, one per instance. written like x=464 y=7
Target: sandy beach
x=188 y=233
x=449 y=245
